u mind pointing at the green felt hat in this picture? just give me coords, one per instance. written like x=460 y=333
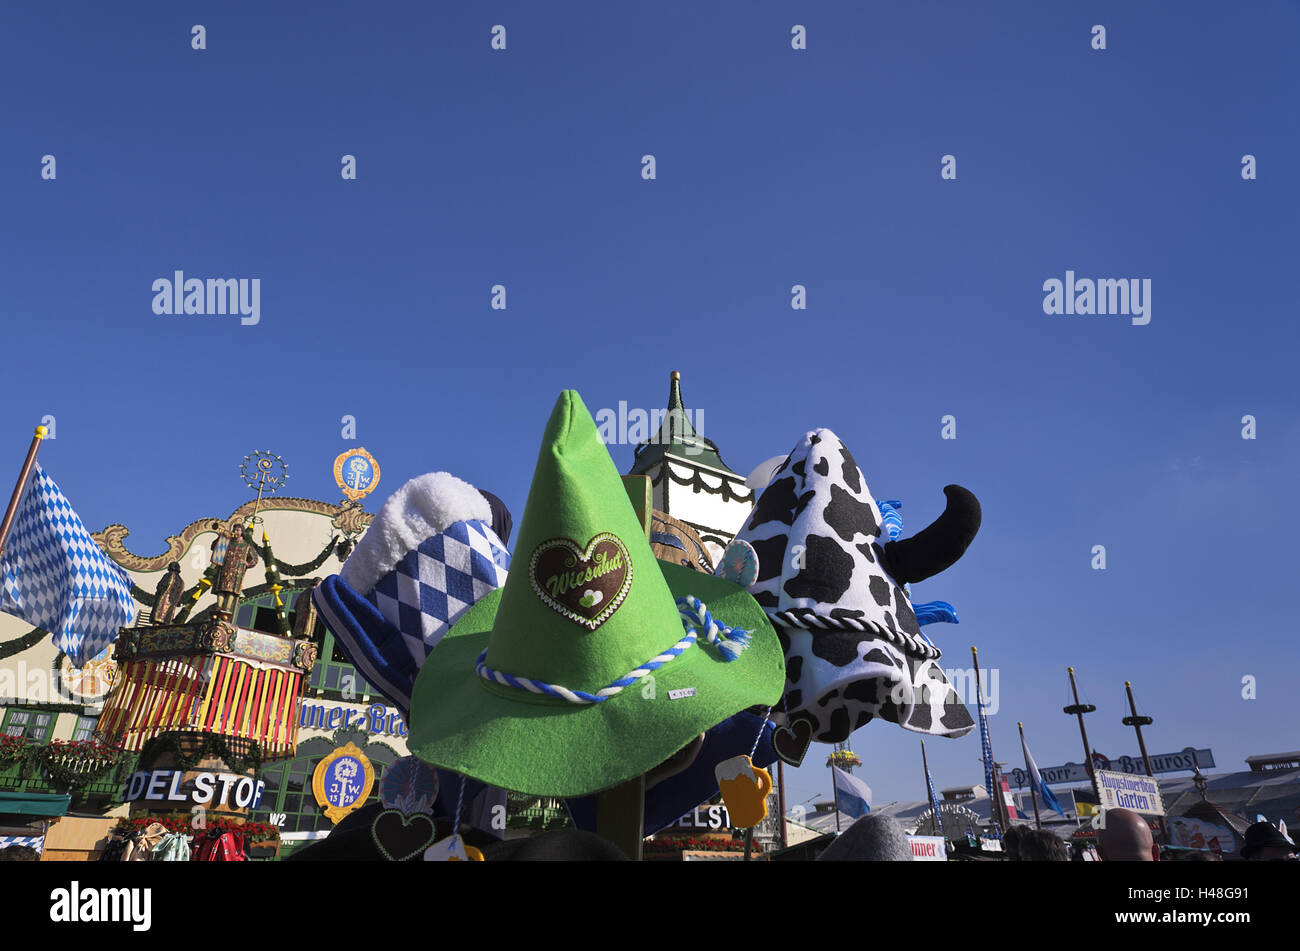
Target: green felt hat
x=588 y=612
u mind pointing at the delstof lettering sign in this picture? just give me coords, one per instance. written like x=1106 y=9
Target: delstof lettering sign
x=704 y=817
x=207 y=788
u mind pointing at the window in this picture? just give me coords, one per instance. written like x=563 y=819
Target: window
x=85 y=728
x=29 y=723
x=337 y=656
x=333 y=675
x=265 y=620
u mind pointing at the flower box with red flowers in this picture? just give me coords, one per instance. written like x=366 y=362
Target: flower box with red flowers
x=254 y=833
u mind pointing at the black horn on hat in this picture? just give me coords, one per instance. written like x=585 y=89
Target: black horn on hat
x=941 y=543
x=501 y=520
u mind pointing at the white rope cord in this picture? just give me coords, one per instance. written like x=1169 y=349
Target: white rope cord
x=807 y=619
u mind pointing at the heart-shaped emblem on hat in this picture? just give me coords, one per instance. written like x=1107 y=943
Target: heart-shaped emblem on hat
x=584 y=585
x=400 y=837
x=791 y=742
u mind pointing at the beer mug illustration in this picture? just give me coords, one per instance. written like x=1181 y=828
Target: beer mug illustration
x=744 y=790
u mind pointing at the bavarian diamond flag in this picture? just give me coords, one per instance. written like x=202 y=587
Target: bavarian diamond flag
x=57 y=578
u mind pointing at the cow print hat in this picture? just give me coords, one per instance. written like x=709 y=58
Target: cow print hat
x=853 y=647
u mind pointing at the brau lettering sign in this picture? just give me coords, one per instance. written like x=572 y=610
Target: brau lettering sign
x=1185 y=760
x=229 y=790
x=378 y=719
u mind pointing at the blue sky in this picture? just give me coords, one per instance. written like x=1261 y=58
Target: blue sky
x=775 y=167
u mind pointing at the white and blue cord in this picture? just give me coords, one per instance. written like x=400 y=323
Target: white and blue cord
x=455 y=822
x=767 y=717
x=729 y=642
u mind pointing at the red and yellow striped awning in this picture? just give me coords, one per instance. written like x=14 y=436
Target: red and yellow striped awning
x=152 y=696
x=256 y=703
x=205 y=693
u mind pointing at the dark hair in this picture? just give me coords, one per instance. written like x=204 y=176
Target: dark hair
x=1011 y=843
x=19 y=853
x=1039 y=845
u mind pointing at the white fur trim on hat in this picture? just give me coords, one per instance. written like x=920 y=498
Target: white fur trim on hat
x=422 y=508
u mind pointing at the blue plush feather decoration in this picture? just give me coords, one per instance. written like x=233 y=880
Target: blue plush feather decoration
x=890 y=517
x=932 y=611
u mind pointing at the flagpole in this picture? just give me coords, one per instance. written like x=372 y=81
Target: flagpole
x=836 y=790
x=1137 y=723
x=995 y=794
x=1079 y=709
x=1033 y=793
x=1004 y=816
x=780 y=800
x=12 y=510
x=929 y=788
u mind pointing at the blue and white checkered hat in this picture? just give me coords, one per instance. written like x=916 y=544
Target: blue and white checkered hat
x=429 y=555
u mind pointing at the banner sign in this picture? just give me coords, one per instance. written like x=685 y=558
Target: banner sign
x=1196 y=834
x=1186 y=760
x=1126 y=791
x=928 y=848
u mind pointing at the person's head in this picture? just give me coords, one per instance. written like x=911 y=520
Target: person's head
x=1264 y=843
x=1039 y=845
x=1126 y=837
x=19 y=853
x=873 y=838
x=1011 y=843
